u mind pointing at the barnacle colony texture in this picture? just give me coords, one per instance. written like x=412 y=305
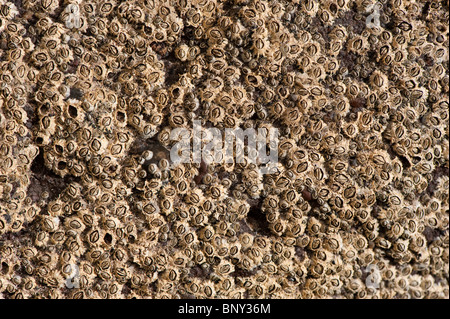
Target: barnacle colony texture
x=92 y=206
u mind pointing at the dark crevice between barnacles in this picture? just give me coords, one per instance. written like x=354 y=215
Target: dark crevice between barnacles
x=44 y=179
x=300 y=253
x=174 y=68
x=347 y=59
x=256 y=219
x=153 y=287
x=76 y=93
x=188 y=34
x=357 y=104
x=201 y=172
x=307 y=196
x=381 y=202
x=365 y=273
x=200 y=272
x=140 y=145
x=31 y=109
x=348 y=20
x=375 y=211
x=244 y=228
x=14 y=186
x=240 y=272
x=318 y=26
x=160 y=48
x=4 y=268
x=436 y=175
x=23 y=237
x=19 y=6
x=73 y=66
x=126 y=289
x=58 y=11
x=431 y=234
x=185 y=295
x=230 y=9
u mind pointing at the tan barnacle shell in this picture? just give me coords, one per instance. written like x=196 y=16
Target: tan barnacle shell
x=357 y=44
x=208 y=94
x=9 y=10
x=93 y=237
x=182 y=52
x=206 y=233
x=50 y=223
x=194 y=197
x=75 y=224
x=378 y=81
x=178 y=120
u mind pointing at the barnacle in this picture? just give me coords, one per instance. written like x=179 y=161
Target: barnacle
x=90 y=92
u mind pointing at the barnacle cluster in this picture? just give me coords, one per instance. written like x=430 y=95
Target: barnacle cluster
x=358 y=204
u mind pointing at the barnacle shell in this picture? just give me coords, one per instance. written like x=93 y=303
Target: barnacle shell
x=360 y=184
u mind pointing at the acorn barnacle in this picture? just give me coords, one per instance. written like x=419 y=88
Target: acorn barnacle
x=359 y=183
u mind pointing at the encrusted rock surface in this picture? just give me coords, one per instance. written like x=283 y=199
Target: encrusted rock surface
x=91 y=205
